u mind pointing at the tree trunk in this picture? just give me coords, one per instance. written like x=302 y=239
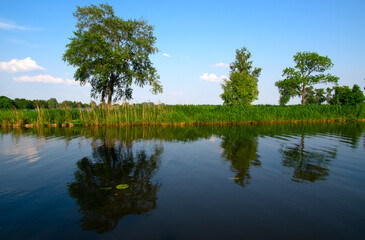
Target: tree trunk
x=111 y=90
x=303 y=95
x=103 y=99
x=110 y=95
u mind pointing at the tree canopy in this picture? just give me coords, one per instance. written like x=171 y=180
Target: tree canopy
x=111 y=53
x=241 y=87
x=344 y=95
x=297 y=79
x=6 y=102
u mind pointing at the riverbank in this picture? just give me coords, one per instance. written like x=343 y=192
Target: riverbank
x=148 y=114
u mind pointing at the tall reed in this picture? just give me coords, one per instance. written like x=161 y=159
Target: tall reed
x=147 y=114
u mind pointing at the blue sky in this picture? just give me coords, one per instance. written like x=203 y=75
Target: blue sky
x=197 y=41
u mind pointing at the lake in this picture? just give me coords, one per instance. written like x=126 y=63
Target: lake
x=280 y=181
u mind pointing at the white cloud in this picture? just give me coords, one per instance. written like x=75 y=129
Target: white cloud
x=212 y=77
x=11 y=25
x=221 y=65
x=45 y=78
x=42 y=78
x=209 y=77
x=16 y=65
x=166 y=55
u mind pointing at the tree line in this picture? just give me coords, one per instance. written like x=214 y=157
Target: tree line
x=52 y=103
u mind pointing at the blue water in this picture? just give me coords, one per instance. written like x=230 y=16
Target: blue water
x=303 y=181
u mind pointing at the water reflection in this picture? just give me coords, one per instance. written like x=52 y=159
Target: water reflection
x=113 y=163
x=308 y=164
x=240 y=150
x=239 y=144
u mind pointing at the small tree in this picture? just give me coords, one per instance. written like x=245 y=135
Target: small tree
x=241 y=87
x=52 y=103
x=111 y=53
x=6 y=102
x=37 y=103
x=344 y=95
x=299 y=78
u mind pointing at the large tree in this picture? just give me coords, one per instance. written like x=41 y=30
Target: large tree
x=111 y=53
x=241 y=87
x=297 y=79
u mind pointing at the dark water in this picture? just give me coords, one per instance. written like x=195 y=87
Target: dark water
x=214 y=182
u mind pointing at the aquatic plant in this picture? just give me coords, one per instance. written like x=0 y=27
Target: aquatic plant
x=150 y=114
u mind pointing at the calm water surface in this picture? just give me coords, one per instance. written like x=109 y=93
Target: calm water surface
x=304 y=181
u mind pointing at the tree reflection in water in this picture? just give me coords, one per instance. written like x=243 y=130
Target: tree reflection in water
x=240 y=149
x=308 y=164
x=113 y=163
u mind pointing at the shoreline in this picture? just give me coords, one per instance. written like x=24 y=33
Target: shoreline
x=70 y=125
x=180 y=115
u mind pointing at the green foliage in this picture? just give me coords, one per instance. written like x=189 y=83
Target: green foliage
x=241 y=87
x=40 y=103
x=297 y=79
x=52 y=103
x=345 y=96
x=22 y=103
x=6 y=102
x=314 y=96
x=139 y=114
x=111 y=53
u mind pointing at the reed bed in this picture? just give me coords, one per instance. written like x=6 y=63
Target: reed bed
x=149 y=114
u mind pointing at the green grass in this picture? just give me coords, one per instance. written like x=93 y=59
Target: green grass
x=145 y=114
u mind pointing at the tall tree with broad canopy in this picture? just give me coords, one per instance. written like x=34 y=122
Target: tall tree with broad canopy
x=241 y=87
x=111 y=53
x=297 y=79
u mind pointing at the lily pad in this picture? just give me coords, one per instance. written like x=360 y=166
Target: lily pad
x=106 y=188
x=122 y=186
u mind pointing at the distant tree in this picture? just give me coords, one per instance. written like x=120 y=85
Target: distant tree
x=67 y=104
x=22 y=103
x=314 y=96
x=75 y=104
x=6 y=102
x=241 y=87
x=111 y=53
x=52 y=103
x=299 y=78
x=40 y=103
x=357 y=95
x=345 y=96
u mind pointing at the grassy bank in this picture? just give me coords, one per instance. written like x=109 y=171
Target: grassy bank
x=180 y=114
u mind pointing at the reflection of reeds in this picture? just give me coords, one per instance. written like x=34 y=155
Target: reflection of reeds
x=149 y=114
